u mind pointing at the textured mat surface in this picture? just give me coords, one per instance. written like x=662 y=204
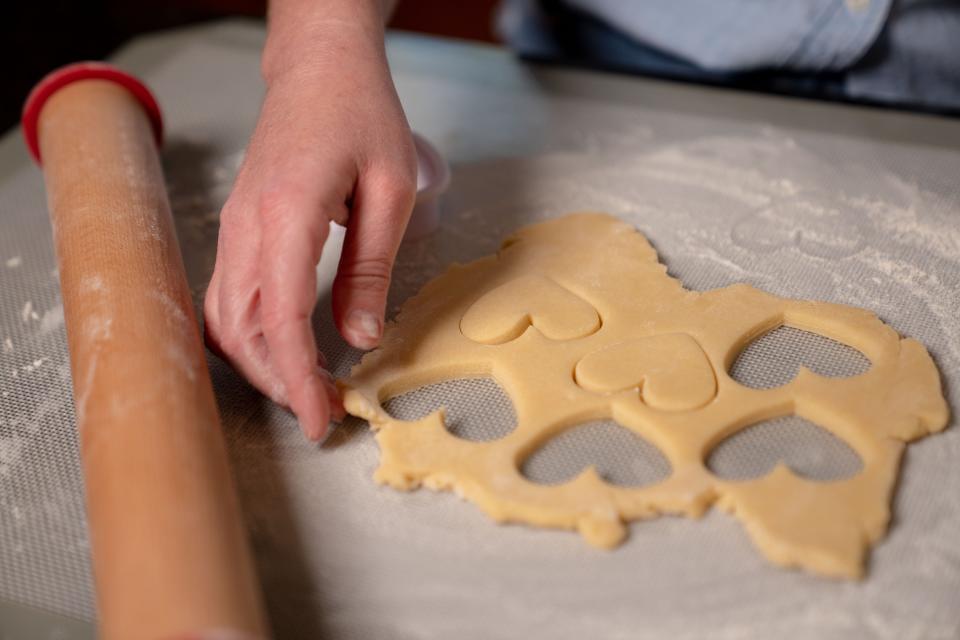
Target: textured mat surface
x=798 y=199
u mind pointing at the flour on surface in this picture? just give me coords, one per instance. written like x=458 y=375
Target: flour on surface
x=27 y=313
x=51 y=320
x=33 y=366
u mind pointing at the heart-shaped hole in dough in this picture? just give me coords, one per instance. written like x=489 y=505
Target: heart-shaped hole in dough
x=476 y=409
x=773 y=359
x=620 y=456
x=810 y=451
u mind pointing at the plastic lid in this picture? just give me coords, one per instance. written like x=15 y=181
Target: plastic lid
x=59 y=78
x=433 y=177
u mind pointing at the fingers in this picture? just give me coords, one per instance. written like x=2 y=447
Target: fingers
x=319 y=134
x=294 y=221
x=231 y=305
x=382 y=206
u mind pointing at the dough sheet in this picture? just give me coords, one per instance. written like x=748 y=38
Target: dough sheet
x=577 y=321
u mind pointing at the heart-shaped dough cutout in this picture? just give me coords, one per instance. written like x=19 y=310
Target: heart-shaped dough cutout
x=670 y=370
x=503 y=314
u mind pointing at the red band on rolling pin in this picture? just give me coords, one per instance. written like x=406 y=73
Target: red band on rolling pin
x=56 y=80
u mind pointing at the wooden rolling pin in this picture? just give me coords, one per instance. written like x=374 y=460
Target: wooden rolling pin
x=170 y=555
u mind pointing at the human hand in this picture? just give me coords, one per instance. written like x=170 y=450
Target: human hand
x=331 y=144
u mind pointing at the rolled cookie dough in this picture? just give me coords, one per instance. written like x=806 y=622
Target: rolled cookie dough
x=577 y=321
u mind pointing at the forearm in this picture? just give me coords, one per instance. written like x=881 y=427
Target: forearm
x=301 y=30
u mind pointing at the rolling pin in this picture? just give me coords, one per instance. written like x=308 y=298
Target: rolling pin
x=170 y=555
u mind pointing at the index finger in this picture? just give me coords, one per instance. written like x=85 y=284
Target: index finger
x=294 y=230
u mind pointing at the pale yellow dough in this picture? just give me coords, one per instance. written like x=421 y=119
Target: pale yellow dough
x=577 y=321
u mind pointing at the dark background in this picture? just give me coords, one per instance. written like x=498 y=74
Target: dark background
x=38 y=36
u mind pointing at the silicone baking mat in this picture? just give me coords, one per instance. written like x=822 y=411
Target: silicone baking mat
x=798 y=199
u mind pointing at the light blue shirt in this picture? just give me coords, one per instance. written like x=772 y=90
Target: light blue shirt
x=900 y=51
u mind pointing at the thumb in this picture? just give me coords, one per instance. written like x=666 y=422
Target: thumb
x=382 y=206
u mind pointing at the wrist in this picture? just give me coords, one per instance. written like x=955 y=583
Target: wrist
x=304 y=36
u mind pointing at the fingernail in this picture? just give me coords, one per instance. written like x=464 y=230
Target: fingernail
x=318 y=436
x=311 y=405
x=326 y=436
x=365 y=328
